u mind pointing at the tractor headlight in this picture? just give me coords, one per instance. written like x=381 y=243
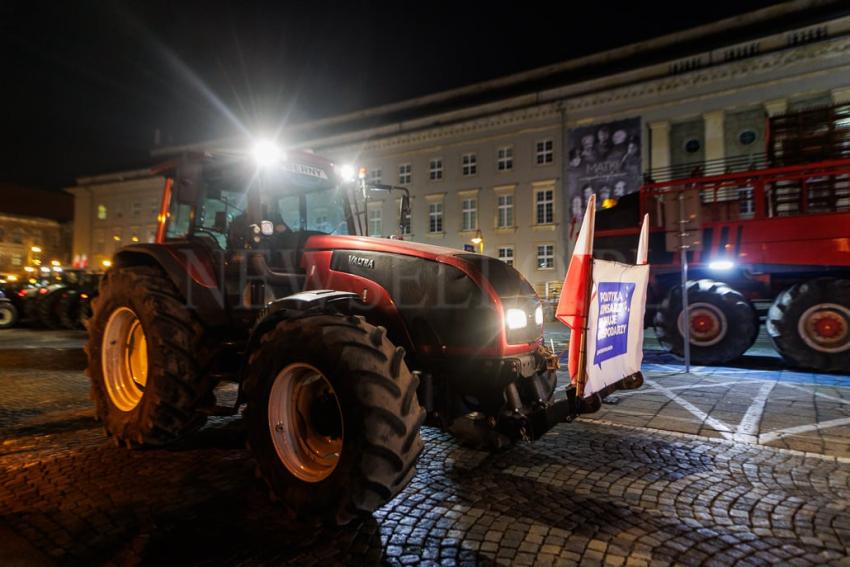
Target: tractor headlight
x=516 y=319
x=538 y=315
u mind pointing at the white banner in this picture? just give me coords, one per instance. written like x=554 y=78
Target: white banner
x=615 y=323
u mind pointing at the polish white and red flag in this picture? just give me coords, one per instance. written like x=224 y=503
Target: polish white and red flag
x=603 y=303
x=573 y=302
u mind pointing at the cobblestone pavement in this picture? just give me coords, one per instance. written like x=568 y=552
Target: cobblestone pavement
x=587 y=492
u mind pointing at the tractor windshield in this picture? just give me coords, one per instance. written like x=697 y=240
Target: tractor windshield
x=322 y=211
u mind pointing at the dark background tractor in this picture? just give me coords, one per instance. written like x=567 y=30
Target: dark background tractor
x=343 y=345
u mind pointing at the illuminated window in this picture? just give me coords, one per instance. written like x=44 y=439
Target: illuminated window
x=506 y=255
x=469 y=210
x=505 y=158
x=405 y=174
x=545 y=206
x=435 y=169
x=545 y=256
x=505 y=211
x=469 y=164
x=544 y=152
x=101 y=212
x=435 y=217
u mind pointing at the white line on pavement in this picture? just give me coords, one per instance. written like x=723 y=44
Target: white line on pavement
x=780 y=433
x=818 y=394
x=687 y=387
x=748 y=428
x=703 y=417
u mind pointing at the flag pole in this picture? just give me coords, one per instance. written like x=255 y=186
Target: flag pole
x=581 y=377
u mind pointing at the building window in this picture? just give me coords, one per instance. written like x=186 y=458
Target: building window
x=469 y=164
x=544 y=199
x=136 y=209
x=435 y=169
x=505 y=211
x=545 y=256
x=544 y=152
x=154 y=203
x=375 y=221
x=17 y=259
x=151 y=236
x=469 y=214
x=101 y=212
x=2 y=234
x=506 y=255
x=375 y=176
x=405 y=174
x=17 y=236
x=435 y=217
x=505 y=158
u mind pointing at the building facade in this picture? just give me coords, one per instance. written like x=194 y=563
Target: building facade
x=35 y=230
x=505 y=167
x=113 y=210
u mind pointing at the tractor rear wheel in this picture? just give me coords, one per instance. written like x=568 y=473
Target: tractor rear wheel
x=48 y=308
x=809 y=324
x=723 y=324
x=333 y=417
x=8 y=314
x=145 y=356
x=69 y=309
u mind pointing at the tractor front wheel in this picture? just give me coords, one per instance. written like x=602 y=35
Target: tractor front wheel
x=8 y=314
x=809 y=324
x=333 y=417
x=145 y=356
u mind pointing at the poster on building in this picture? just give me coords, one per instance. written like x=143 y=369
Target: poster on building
x=603 y=160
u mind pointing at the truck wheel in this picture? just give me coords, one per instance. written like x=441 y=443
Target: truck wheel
x=8 y=315
x=809 y=324
x=723 y=323
x=144 y=358
x=333 y=417
x=48 y=313
x=69 y=309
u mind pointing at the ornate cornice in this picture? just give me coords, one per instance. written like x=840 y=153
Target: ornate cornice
x=559 y=98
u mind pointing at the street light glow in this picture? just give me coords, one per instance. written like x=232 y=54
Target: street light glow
x=35 y=249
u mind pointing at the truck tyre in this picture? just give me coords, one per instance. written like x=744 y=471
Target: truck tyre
x=809 y=324
x=48 y=308
x=145 y=356
x=723 y=323
x=333 y=418
x=69 y=309
x=8 y=314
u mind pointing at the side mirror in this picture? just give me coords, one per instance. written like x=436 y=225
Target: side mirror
x=404 y=214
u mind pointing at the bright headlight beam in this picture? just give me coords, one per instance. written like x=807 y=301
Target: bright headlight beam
x=348 y=172
x=516 y=319
x=266 y=153
x=721 y=265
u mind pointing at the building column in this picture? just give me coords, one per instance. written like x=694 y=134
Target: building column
x=660 y=140
x=776 y=107
x=841 y=95
x=715 y=143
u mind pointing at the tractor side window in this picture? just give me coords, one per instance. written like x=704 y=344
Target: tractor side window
x=179 y=217
x=217 y=213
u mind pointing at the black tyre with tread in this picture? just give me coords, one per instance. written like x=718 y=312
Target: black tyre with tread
x=783 y=320
x=380 y=411
x=69 y=309
x=8 y=314
x=48 y=308
x=175 y=384
x=742 y=323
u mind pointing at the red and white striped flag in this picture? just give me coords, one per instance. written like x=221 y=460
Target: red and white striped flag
x=573 y=302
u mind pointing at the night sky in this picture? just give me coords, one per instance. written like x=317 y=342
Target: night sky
x=86 y=84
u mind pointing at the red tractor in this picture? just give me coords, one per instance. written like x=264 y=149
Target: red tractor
x=773 y=242
x=343 y=345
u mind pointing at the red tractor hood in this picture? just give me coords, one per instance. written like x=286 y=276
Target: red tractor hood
x=373 y=244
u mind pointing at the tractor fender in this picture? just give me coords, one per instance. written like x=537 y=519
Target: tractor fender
x=295 y=306
x=191 y=269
